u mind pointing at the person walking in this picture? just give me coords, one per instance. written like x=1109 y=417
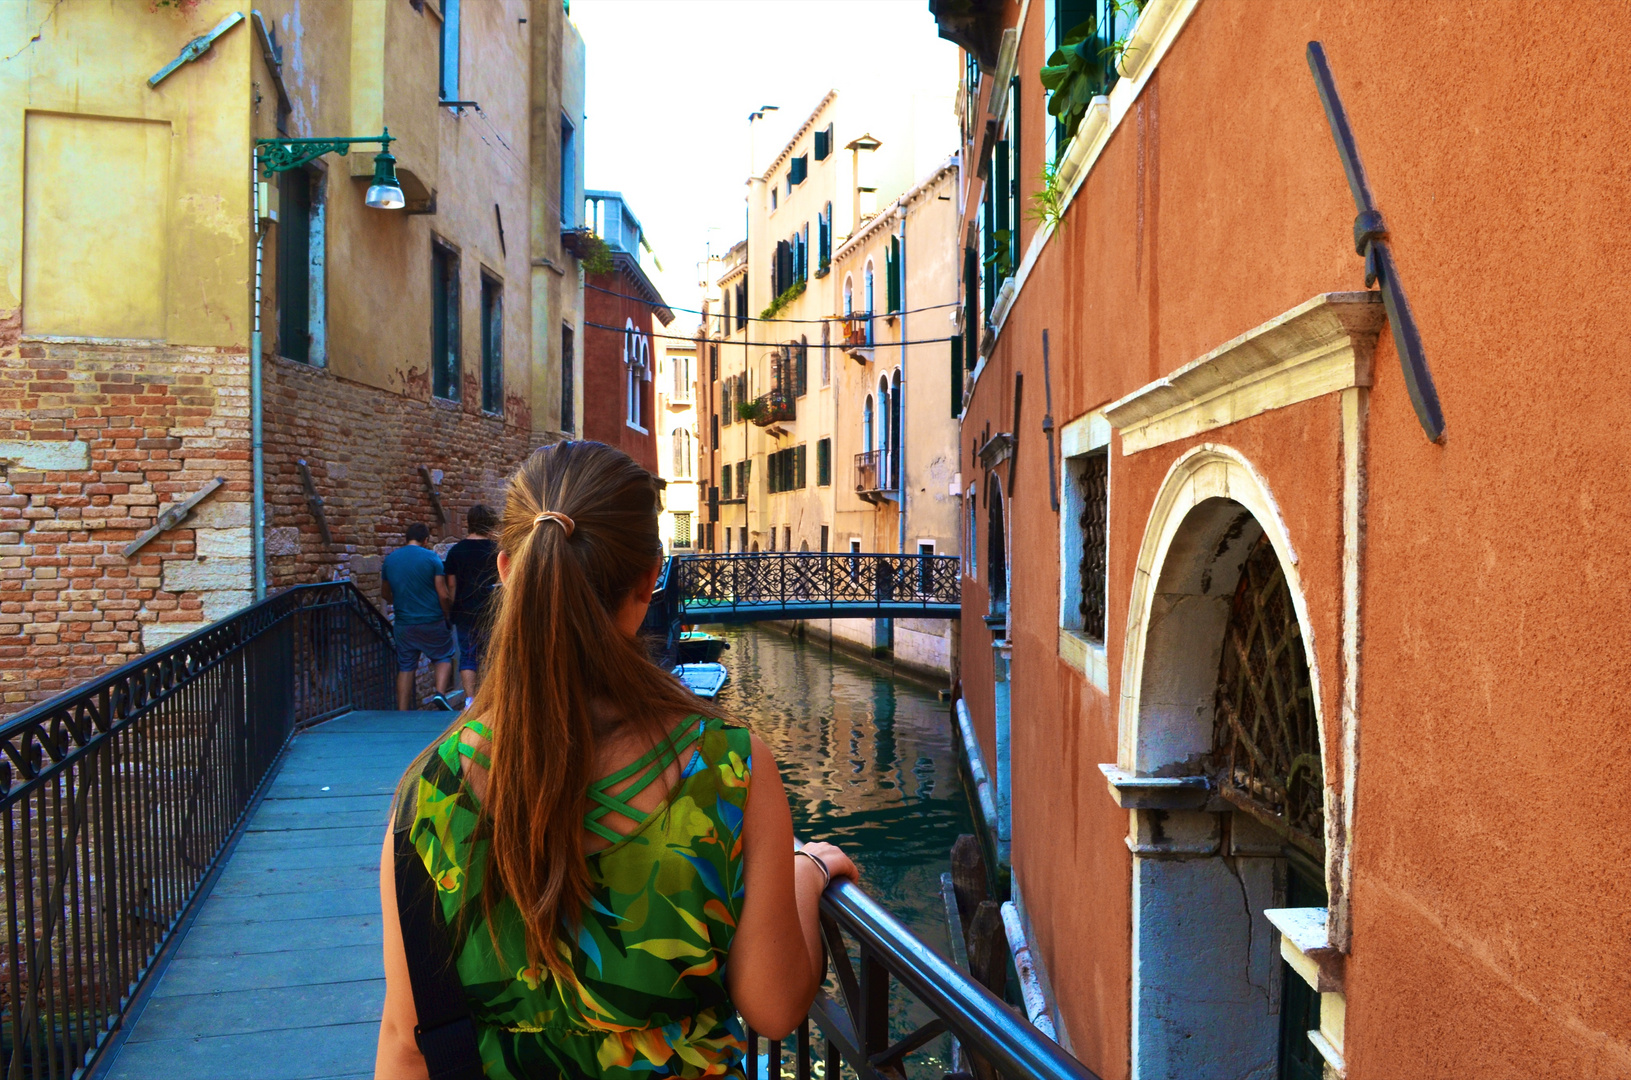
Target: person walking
x=592 y=874
x=472 y=577
x=415 y=584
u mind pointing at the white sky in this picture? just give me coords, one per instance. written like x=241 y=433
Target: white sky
x=671 y=83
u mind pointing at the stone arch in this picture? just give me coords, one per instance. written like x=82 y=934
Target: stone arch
x=1210 y=992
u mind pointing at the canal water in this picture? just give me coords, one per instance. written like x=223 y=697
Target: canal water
x=870 y=764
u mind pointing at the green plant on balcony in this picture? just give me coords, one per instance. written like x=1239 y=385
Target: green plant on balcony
x=596 y=255
x=751 y=411
x=789 y=294
x=1084 y=66
x=1001 y=259
x=1048 y=200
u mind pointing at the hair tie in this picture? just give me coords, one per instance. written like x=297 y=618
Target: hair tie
x=559 y=518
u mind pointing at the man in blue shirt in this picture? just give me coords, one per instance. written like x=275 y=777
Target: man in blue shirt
x=415 y=584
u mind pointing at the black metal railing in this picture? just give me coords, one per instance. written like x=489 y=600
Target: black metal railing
x=809 y=585
x=776 y=407
x=119 y=797
x=994 y=1039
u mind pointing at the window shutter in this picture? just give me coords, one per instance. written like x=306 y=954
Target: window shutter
x=956 y=377
x=799 y=476
x=894 y=273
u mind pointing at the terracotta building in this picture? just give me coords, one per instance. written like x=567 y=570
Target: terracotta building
x=411 y=345
x=621 y=309
x=1285 y=597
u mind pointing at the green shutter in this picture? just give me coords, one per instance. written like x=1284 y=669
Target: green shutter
x=800 y=477
x=956 y=377
x=894 y=273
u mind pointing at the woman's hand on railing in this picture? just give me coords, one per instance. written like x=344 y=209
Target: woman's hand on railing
x=837 y=865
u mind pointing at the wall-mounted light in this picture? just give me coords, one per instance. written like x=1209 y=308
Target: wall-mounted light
x=385 y=193
x=283 y=155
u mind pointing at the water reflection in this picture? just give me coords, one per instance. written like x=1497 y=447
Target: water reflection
x=869 y=764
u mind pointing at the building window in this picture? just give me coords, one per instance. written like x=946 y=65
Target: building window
x=742 y=304
x=682 y=528
x=823 y=143
x=801 y=366
x=714 y=434
x=824 y=239
x=971 y=530
x=569 y=174
x=725 y=476
x=300 y=258
x=798 y=169
x=450 y=50
x=492 y=344
x=1093 y=477
x=444 y=322
x=568 y=379
x=682 y=453
x=892 y=271
x=772 y=198
x=637 y=360
x=866 y=278
x=823 y=466
x=824 y=534
x=713 y=363
x=742 y=538
x=925 y=568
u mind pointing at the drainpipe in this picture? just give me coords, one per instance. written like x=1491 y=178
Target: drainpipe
x=900 y=393
x=257 y=506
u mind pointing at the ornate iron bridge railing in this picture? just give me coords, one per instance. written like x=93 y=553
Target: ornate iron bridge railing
x=118 y=798
x=995 y=1040
x=808 y=585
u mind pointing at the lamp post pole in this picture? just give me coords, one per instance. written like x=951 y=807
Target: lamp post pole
x=269 y=158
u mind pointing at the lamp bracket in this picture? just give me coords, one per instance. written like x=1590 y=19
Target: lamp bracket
x=282 y=155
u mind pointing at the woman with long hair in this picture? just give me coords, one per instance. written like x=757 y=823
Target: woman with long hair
x=613 y=864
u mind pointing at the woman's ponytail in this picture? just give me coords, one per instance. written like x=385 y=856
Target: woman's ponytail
x=580 y=534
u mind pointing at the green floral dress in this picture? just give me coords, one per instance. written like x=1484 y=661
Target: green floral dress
x=647 y=996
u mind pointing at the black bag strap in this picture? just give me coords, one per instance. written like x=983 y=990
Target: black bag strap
x=446 y=1032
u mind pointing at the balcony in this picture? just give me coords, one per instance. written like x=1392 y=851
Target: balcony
x=857 y=339
x=776 y=407
x=876 y=478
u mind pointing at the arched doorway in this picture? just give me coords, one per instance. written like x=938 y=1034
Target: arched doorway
x=997 y=619
x=1219 y=687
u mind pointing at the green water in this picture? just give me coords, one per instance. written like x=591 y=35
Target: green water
x=870 y=764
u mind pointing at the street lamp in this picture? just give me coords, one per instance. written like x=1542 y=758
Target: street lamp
x=281 y=155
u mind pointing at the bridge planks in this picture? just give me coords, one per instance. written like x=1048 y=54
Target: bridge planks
x=280 y=978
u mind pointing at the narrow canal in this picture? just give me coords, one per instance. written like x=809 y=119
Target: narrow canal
x=870 y=764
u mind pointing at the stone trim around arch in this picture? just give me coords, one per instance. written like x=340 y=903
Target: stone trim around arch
x=1216 y=471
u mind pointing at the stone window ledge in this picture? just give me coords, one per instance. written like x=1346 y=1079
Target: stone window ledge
x=1305 y=943
x=1086 y=656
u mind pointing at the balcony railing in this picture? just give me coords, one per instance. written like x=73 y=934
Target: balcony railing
x=876 y=475
x=857 y=330
x=120 y=796
x=776 y=407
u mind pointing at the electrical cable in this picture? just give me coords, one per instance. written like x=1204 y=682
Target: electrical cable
x=754 y=318
x=762 y=344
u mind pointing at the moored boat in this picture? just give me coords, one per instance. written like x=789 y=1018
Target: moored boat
x=705 y=680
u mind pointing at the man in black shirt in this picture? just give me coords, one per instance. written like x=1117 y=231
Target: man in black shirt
x=472 y=576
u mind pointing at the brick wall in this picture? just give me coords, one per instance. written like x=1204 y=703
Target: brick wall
x=95 y=440
x=363 y=447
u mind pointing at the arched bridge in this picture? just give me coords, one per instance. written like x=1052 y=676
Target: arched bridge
x=762 y=586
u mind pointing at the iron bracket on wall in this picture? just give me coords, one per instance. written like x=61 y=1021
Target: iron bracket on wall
x=195 y=48
x=282 y=155
x=314 y=502
x=1370 y=240
x=1047 y=427
x=173 y=515
x=434 y=495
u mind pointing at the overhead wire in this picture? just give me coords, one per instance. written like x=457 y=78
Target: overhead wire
x=763 y=344
x=754 y=318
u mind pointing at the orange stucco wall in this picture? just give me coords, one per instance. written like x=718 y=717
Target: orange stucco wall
x=1488 y=933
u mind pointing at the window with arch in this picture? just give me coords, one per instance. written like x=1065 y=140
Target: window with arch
x=866 y=425
x=867 y=286
x=885 y=432
x=849 y=295
x=894 y=431
x=682 y=453
x=637 y=365
x=996 y=547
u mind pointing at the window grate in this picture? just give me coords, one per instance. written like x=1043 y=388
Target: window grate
x=1094 y=522
x=1265 y=736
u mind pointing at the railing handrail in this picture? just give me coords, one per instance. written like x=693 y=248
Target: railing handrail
x=183 y=645
x=974 y=1015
